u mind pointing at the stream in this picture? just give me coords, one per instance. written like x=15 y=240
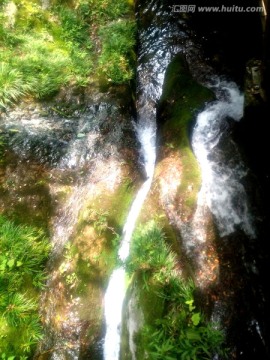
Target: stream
x=149 y=82
x=115 y=292
x=78 y=162
x=221 y=180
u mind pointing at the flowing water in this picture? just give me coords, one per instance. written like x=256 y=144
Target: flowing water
x=222 y=180
x=73 y=145
x=151 y=72
x=226 y=181
x=82 y=160
x=115 y=293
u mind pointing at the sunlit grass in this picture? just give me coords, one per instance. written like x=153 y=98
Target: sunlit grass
x=12 y=85
x=23 y=254
x=68 y=44
x=174 y=328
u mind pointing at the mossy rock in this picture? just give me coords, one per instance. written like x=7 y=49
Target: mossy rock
x=182 y=99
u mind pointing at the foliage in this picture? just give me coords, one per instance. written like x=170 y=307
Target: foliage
x=180 y=331
x=47 y=49
x=12 y=85
x=23 y=253
x=102 y=11
x=117 y=57
x=152 y=255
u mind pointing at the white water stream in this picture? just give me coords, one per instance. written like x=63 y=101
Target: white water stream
x=115 y=293
x=151 y=73
x=221 y=181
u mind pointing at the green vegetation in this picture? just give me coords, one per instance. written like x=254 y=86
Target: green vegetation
x=91 y=255
x=181 y=99
x=67 y=44
x=23 y=253
x=96 y=242
x=118 y=41
x=174 y=328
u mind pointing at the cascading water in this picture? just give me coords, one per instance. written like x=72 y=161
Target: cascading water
x=221 y=181
x=151 y=72
x=115 y=293
x=223 y=187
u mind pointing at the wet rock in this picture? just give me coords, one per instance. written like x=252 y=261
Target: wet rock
x=66 y=159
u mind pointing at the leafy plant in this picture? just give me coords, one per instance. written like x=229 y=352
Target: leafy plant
x=5 y=357
x=101 y=11
x=17 y=308
x=12 y=85
x=23 y=253
x=182 y=331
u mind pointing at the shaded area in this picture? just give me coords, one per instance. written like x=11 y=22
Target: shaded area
x=242 y=289
x=24 y=191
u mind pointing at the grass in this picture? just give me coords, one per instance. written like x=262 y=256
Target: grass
x=173 y=326
x=69 y=44
x=117 y=59
x=12 y=85
x=23 y=254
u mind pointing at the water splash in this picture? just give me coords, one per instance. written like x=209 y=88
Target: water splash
x=221 y=180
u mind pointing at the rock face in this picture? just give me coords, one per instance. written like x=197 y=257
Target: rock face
x=71 y=170
x=221 y=265
x=10 y=12
x=175 y=201
x=178 y=175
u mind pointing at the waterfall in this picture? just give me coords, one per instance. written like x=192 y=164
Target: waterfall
x=154 y=55
x=221 y=178
x=115 y=293
x=224 y=181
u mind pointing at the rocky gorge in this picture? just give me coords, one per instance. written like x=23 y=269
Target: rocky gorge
x=73 y=164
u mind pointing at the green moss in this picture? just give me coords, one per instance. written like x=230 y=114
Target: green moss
x=152 y=307
x=181 y=100
x=91 y=255
x=24 y=191
x=151 y=303
x=120 y=202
